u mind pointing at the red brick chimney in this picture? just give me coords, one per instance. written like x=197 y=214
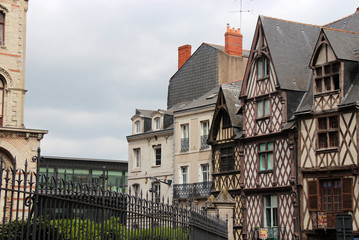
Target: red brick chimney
x=184 y=53
x=233 y=40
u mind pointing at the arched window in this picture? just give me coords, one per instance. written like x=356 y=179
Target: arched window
x=2 y=28
x=7 y=158
x=137 y=127
x=2 y=93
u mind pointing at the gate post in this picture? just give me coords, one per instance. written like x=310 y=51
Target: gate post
x=223 y=205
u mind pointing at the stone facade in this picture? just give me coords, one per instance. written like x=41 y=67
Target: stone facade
x=15 y=140
x=150 y=154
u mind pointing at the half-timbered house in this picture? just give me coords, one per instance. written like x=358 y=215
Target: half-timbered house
x=275 y=80
x=224 y=134
x=328 y=134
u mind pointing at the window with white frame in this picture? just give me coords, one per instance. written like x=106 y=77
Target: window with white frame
x=184 y=137
x=204 y=134
x=184 y=175
x=137 y=157
x=157 y=154
x=157 y=123
x=270 y=211
x=205 y=172
x=137 y=126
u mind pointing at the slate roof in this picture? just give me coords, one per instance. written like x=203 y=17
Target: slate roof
x=343 y=43
x=291 y=45
x=352 y=97
x=231 y=92
x=349 y=23
x=196 y=77
x=207 y=99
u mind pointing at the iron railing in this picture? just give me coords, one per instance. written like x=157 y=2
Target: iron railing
x=271 y=233
x=324 y=220
x=204 y=144
x=192 y=190
x=184 y=144
x=34 y=206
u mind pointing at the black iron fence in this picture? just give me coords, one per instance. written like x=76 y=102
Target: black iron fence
x=39 y=206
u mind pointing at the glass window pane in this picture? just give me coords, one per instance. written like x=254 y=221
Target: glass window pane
x=260 y=68
x=266 y=107
x=270 y=160
x=262 y=147
x=262 y=162
x=260 y=109
x=270 y=146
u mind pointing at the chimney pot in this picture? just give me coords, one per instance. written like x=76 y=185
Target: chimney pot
x=184 y=53
x=233 y=41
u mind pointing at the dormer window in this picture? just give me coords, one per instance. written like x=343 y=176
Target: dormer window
x=327 y=78
x=137 y=127
x=262 y=67
x=157 y=123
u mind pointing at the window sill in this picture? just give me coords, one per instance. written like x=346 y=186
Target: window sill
x=263 y=78
x=156 y=166
x=265 y=171
x=262 y=118
x=136 y=170
x=319 y=94
x=327 y=150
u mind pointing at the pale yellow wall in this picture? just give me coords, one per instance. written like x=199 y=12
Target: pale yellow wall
x=230 y=68
x=148 y=169
x=195 y=156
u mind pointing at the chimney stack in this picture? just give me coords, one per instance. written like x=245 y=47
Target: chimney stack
x=233 y=40
x=184 y=53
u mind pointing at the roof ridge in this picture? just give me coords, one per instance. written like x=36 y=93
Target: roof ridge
x=340 y=30
x=289 y=21
x=213 y=44
x=338 y=20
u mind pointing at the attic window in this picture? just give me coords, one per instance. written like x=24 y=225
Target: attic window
x=262 y=67
x=327 y=78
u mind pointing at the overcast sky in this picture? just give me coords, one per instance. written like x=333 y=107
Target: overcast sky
x=90 y=64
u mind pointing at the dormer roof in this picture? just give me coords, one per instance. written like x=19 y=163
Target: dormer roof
x=291 y=45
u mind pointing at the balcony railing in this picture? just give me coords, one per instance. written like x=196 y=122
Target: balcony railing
x=270 y=233
x=192 y=190
x=324 y=220
x=184 y=144
x=204 y=144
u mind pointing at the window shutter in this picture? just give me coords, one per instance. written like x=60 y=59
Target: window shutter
x=313 y=195
x=347 y=192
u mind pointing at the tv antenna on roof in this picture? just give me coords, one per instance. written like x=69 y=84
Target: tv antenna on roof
x=240 y=13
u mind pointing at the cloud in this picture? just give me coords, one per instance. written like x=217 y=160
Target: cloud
x=89 y=66
x=101 y=148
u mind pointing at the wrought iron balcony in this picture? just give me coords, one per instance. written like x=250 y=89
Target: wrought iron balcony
x=192 y=190
x=184 y=144
x=204 y=144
